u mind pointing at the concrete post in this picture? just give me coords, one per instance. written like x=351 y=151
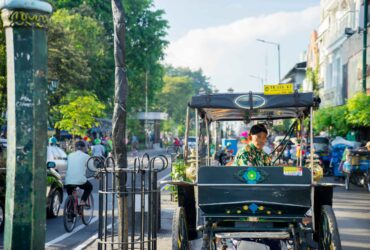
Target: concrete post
x=25 y=25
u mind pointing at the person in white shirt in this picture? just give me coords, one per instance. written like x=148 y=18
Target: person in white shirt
x=98 y=149
x=76 y=172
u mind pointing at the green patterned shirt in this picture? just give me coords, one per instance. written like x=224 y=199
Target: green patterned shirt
x=249 y=155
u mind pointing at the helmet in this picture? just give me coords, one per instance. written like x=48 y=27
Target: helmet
x=97 y=141
x=53 y=140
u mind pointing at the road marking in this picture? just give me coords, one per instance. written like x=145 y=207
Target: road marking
x=89 y=240
x=66 y=235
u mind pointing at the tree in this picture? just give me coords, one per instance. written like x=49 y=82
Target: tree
x=80 y=114
x=359 y=110
x=84 y=44
x=332 y=119
x=312 y=76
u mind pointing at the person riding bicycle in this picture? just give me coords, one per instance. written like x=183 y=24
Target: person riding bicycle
x=98 y=149
x=76 y=172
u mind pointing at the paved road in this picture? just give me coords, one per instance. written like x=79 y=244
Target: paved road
x=352 y=209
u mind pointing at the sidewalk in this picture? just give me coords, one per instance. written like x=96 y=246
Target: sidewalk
x=164 y=235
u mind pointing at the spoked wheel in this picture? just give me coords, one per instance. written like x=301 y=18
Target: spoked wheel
x=328 y=230
x=347 y=181
x=88 y=210
x=180 y=230
x=69 y=217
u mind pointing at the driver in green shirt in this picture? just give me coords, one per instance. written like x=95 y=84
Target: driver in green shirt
x=252 y=154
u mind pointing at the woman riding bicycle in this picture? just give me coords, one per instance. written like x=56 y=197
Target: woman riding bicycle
x=76 y=172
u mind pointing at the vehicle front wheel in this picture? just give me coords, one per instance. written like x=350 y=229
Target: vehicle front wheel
x=328 y=230
x=54 y=206
x=180 y=230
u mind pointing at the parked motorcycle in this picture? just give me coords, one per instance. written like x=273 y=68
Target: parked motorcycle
x=357 y=169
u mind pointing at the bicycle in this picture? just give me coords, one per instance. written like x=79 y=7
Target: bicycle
x=173 y=149
x=72 y=210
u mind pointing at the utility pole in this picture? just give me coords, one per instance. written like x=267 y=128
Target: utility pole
x=364 y=49
x=119 y=118
x=25 y=24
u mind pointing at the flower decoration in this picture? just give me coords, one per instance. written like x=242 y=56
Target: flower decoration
x=244 y=137
x=252 y=175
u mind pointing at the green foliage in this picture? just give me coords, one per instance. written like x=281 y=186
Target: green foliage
x=359 y=110
x=180 y=84
x=332 y=119
x=77 y=54
x=145 y=43
x=312 y=76
x=80 y=114
x=178 y=174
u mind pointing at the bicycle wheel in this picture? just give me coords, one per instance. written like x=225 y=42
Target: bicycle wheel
x=69 y=217
x=94 y=163
x=87 y=212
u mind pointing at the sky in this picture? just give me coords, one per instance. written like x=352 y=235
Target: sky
x=219 y=37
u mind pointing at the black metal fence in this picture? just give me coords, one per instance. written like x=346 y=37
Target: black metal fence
x=139 y=198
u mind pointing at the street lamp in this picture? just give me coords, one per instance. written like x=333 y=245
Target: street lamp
x=278 y=48
x=259 y=78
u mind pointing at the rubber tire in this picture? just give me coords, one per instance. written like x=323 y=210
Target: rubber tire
x=347 y=181
x=50 y=212
x=87 y=220
x=328 y=230
x=180 y=230
x=69 y=202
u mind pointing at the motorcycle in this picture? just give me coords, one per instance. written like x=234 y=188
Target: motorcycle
x=357 y=169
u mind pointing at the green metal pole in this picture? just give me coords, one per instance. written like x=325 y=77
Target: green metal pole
x=364 y=50
x=25 y=25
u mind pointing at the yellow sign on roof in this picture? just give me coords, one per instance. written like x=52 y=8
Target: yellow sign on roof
x=279 y=89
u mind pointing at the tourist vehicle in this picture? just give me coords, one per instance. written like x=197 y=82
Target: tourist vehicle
x=281 y=203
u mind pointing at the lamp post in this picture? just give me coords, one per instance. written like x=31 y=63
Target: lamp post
x=278 y=48
x=259 y=78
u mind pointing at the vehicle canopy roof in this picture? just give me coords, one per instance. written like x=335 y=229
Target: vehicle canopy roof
x=253 y=106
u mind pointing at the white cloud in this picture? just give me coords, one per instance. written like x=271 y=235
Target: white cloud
x=228 y=54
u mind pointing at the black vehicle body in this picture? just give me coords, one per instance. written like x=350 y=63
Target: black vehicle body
x=249 y=202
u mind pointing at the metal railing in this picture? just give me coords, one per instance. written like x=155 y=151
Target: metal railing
x=139 y=198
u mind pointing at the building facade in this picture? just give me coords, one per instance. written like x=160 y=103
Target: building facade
x=340 y=50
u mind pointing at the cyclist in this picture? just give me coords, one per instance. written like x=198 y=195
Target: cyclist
x=176 y=144
x=98 y=149
x=76 y=172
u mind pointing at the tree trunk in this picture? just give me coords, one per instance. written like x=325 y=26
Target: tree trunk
x=119 y=117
